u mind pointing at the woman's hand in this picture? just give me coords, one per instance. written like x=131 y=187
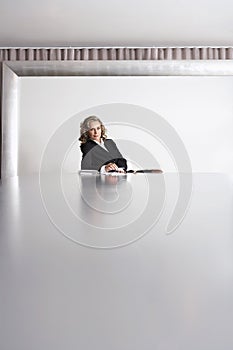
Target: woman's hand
x=111 y=166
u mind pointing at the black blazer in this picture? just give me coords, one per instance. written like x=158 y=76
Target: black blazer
x=95 y=156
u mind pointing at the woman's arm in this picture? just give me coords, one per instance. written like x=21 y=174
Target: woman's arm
x=119 y=160
x=86 y=163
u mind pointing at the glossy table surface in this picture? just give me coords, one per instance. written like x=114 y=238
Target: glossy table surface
x=87 y=269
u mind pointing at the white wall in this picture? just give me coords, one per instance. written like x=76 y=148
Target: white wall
x=200 y=109
x=114 y=23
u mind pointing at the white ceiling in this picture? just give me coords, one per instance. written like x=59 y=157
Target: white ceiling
x=116 y=23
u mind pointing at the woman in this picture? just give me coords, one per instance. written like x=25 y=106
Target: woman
x=99 y=153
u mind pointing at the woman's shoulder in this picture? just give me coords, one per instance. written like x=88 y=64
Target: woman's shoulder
x=109 y=141
x=87 y=146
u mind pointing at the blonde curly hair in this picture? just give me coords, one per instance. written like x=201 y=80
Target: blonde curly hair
x=85 y=127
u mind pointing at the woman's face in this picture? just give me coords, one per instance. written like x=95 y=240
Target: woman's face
x=95 y=131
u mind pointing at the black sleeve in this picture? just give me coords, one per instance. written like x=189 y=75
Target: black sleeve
x=121 y=163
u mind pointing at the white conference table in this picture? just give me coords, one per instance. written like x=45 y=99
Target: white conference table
x=87 y=269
